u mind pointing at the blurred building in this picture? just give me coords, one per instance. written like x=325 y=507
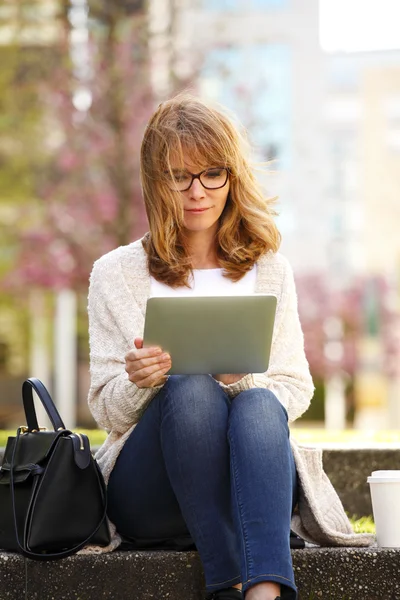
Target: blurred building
x=363 y=139
x=380 y=164
x=363 y=196
x=262 y=59
x=329 y=123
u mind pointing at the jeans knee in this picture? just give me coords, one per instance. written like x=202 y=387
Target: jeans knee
x=194 y=398
x=259 y=406
x=190 y=386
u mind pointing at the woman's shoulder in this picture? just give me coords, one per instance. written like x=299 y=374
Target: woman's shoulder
x=274 y=263
x=121 y=274
x=119 y=256
x=274 y=274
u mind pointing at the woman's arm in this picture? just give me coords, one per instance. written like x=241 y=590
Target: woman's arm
x=114 y=321
x=288 y=375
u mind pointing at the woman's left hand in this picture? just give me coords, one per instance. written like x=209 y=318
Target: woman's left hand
x=227 y=379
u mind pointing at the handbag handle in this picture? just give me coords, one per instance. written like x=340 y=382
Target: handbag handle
x=35 y=384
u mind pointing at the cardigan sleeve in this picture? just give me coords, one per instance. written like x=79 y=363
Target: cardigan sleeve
x=288 y=375
x=114 y=322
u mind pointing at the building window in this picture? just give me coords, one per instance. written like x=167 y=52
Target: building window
x=255 y=83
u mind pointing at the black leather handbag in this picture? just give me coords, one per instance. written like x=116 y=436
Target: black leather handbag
x=52 y=493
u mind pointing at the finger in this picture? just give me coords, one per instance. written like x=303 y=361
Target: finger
x=161 y=360
x=153 y=379
x=139 y=369
x=150 y=371
x=141 y=353
x=138 y=342
x=151 y=364
x=143 y=372
x=162 y=381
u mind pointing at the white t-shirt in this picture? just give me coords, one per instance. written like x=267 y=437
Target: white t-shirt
x=209 y=282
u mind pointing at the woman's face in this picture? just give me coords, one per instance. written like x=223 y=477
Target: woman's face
x=202 y=207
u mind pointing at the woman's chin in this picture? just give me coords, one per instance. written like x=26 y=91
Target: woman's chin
x=197 y=228
x=199 y=223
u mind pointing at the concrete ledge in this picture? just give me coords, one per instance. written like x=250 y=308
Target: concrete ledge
x=327 y=573
x=348 y=469
x=116 y=576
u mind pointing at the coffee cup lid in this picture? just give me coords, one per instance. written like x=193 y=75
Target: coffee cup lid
x=395 y=474
x=384 y=477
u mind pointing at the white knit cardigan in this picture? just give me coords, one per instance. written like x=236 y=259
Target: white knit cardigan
x=119 y=289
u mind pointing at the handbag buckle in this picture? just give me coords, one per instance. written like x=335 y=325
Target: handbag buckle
x=24 y=429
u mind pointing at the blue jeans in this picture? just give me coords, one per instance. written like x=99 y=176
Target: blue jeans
x=217 y=468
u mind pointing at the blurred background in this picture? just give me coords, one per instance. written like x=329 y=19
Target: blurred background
x=316 y=83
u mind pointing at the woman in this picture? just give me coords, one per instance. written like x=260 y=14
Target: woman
x=201 y=459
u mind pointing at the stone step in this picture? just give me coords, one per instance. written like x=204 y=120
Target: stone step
x=348 y=469
x=327 y=573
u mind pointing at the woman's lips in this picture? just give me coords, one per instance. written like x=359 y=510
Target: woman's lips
x=196 y=210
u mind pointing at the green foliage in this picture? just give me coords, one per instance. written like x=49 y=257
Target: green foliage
x=316 y=410
x=363 y=524
x=23 y=155
x=14 y=334
x=304 y=436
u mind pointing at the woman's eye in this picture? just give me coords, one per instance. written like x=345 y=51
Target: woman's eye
x=179 y=177
x=213 y=173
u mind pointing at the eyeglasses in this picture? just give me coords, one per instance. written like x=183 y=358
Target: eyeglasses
x=210 y=179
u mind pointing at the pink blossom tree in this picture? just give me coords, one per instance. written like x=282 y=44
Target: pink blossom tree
x=368 y=306
x=89 y=198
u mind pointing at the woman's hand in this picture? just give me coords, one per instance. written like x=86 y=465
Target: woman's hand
x=227 y=379
x=147 y=367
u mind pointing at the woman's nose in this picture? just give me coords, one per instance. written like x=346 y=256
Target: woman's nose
x=196 y=189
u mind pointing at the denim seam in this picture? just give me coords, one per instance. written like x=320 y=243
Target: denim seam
x=268 y=575
x=167 y=394
x=210 y=585
x=247 y=560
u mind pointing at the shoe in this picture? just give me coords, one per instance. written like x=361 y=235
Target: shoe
x=226 y=594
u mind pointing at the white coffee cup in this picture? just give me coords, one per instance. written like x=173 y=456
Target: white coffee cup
x=385 y=496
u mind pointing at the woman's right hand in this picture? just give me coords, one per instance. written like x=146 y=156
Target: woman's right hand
x=147 y=367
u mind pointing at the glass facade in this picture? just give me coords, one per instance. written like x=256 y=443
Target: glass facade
x=255 y=83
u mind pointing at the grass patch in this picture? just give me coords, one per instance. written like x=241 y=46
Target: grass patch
x=307 y=436
x=363 y=524
x=347 y=436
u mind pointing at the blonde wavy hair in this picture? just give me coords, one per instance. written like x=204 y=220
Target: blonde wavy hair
x=188 y=126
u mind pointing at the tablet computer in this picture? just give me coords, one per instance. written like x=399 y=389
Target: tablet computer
x=212 y=334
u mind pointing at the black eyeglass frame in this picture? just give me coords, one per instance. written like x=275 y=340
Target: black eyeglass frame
x=198 y=175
